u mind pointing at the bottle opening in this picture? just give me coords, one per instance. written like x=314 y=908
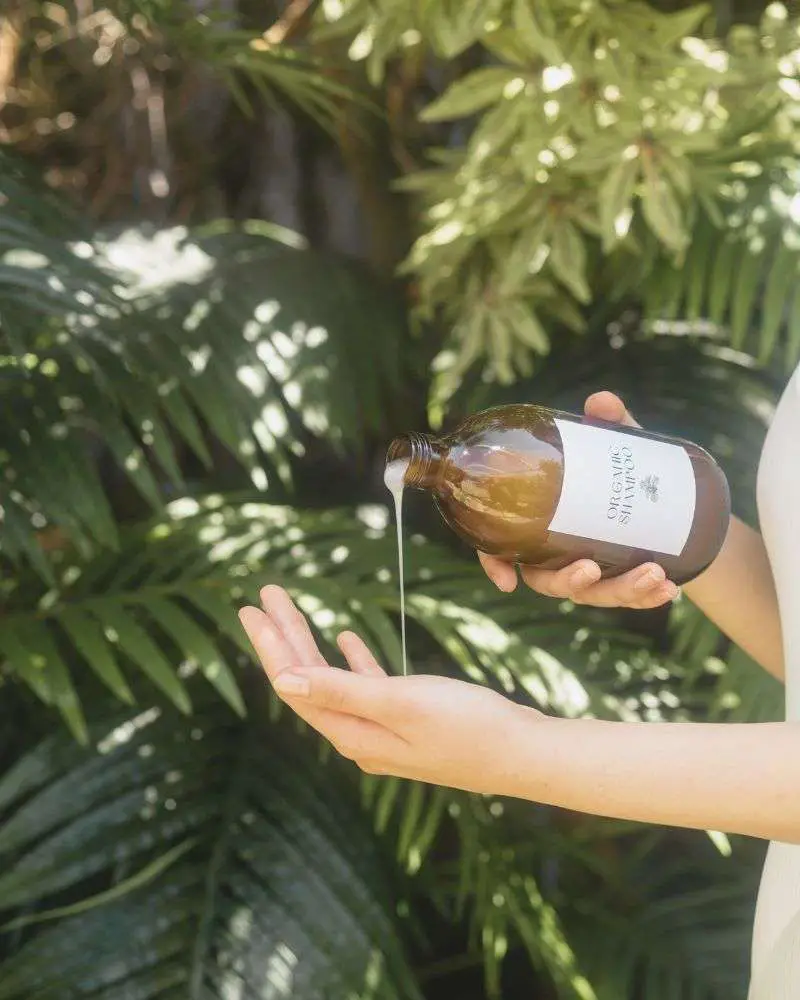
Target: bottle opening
x=423 y=455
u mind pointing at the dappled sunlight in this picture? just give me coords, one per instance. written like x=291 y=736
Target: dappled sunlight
x=155 y=263
x=374 y=516
x=484 y=633
x=266 y=311
x=279 y=973
x=555 y=77
x=565 y=691
x=253 y=379
x=199 y=311
x=125 y=732
x=26 y=259
x=277 y=366
x=286 y=346
x=589 y=152
x=275 y=419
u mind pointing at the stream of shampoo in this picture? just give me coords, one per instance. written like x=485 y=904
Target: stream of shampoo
x=394 y=477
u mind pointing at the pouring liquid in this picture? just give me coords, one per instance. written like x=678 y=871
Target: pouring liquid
x=394 y=478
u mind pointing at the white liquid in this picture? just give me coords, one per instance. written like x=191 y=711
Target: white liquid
x=394 y=477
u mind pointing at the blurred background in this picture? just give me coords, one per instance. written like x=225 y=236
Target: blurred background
x=244 y=243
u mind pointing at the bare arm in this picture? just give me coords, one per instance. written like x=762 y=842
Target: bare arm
x=737 y=593
x=737 y=778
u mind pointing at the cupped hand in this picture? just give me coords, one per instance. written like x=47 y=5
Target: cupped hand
x=427 y=728
x=644 y=587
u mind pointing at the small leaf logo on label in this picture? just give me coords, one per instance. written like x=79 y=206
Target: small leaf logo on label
x=649 y=486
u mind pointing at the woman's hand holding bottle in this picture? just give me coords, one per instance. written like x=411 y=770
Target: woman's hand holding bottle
x=644 y=587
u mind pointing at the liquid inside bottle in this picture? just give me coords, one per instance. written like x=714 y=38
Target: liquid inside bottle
x=544 y=488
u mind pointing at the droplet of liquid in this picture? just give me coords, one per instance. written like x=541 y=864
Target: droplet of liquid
x=394 y=477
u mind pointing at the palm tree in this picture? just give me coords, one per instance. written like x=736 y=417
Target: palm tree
x=174 y=396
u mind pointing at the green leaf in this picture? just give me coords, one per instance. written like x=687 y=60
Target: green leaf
x=192 y=858
x=698 y=267
x=663 y=213
x=141 y=878
x=532 y=33
x=527 y=328
x=25 y=662
x=89 y=641
x=473 y=92
x=34 y=655
x=781 y=284
x=568 y=259
x=727 y=253
x=193 y=642
x=793 y=338
x=748 y=280
x=615 y=199
x=138 y=645
x=673 y=27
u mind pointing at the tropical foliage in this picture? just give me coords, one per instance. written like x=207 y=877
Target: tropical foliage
x=196 y=401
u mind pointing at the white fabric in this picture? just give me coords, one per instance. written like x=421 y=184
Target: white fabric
x=776 y=935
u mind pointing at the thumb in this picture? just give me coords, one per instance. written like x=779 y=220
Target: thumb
x=606 y=406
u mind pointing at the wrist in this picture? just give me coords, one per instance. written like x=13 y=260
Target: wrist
x=529 y=751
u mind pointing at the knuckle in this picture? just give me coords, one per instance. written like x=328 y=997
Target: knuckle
x=535 y=581
x=388 y=705
x=346 y=750
x=625 y=594
x=333 y=699
x=368 y=766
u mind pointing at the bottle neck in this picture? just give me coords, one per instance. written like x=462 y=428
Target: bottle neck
x=424 y=455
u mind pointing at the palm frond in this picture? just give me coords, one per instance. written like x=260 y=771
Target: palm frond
x=282 y=70
x=199 y=861
x=674 y=921
x=171 y=589
x=740 y=275
x=220 y=341
x=685 y=383
x=603 y=909
x=45 y=268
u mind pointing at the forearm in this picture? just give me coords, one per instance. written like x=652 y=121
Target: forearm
x=736 y=778
x=738 y=594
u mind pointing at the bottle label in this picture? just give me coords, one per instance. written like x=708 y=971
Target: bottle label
x=625 y=489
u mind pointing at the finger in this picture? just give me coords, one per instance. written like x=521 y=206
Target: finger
x=502 y=574
x=606 y=406
x=278 y=657
x=635 y=589
x=581 y=583
x=639 y=588
x=275 y=653
x=664 y=593
x=293 y=625
x=372 y=698
x=345 y=732
x=358 y=655
x=571 y=581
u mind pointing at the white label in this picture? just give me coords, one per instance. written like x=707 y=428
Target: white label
x=625 y=489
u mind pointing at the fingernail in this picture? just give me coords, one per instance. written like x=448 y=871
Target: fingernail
x=248 y=615
x=649 y=579
x=294 y=684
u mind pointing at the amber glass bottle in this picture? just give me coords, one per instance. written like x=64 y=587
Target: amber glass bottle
x=541 y=487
